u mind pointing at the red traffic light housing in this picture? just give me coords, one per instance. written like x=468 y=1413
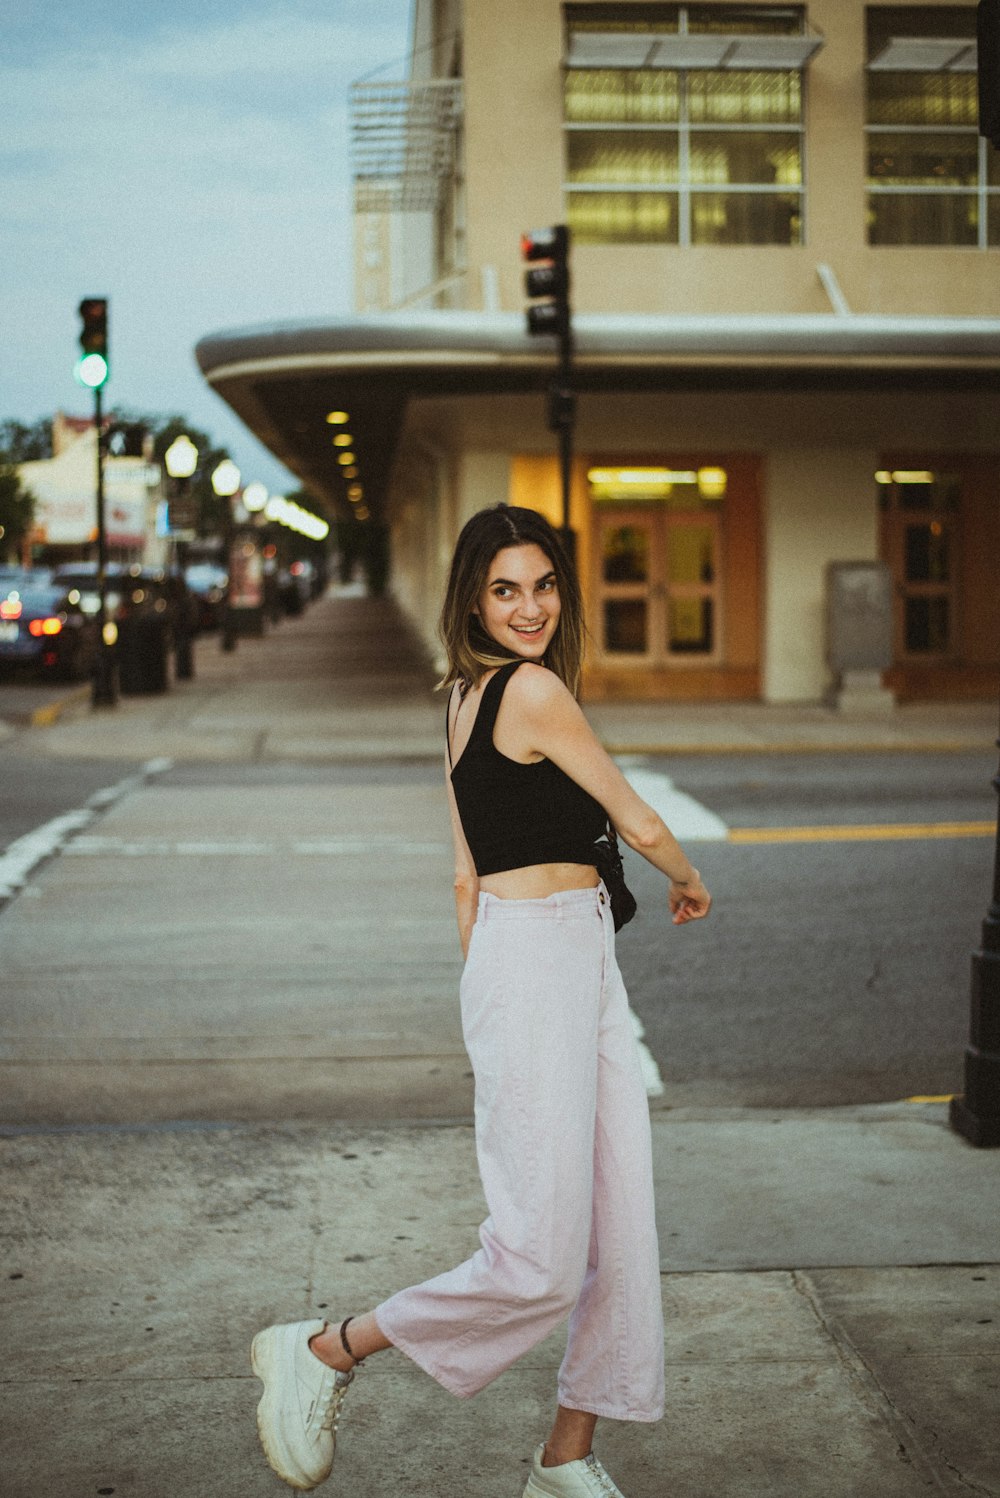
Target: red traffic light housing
x=549 y=280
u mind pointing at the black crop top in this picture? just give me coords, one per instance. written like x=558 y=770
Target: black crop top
x=514 y=815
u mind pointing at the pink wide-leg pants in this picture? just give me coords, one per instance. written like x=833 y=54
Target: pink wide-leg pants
x=563 y=1143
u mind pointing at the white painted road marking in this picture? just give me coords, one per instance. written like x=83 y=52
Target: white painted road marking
x=25 y=853
x=117 y=847
x=687 y=819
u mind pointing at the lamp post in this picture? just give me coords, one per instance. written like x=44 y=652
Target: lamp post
x=181 y=460
x=225 y=482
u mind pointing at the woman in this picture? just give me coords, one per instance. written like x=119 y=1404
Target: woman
x=562 y=1120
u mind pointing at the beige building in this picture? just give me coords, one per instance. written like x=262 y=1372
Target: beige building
x=786 y=293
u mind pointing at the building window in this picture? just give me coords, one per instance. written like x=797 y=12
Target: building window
x=689 y=155
x=931 y=179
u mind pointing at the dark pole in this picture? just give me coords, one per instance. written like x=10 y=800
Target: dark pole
x=562 y=405
x=105 y=686
x=183 y=649
x=228 y=622
x=976 y=1114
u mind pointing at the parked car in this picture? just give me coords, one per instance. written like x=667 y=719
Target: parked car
x=134 y=592
x=152 y=609
x=207 y=582
x=44 y=625
x=293 y=588
x=12 y=573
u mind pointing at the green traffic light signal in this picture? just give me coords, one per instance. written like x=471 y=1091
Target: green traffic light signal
x=92 y=369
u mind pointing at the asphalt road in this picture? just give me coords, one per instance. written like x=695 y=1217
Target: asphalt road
x=829 y=972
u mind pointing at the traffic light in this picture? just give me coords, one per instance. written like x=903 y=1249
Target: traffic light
x=547 y=281
x=92 y=366
x=988 y=28
x=126 y=439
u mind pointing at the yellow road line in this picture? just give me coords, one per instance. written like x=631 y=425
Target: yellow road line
x=874 y=832
x=942 y=1097
x=708 y=748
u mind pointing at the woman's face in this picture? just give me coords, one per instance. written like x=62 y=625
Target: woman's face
x=519 y=606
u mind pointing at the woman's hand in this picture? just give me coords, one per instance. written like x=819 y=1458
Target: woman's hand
x=690 y=901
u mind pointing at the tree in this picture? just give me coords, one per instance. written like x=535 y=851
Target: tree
x=17 y=506
x=25 y=444
x=164 y=429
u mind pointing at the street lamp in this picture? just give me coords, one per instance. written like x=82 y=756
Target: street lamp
x=225 y=482
x=181 y=460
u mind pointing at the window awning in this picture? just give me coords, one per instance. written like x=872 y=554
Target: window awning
x=673 y=49
x=925 y=54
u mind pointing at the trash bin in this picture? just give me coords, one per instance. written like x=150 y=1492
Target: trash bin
x=859 y=635
x=143 y=655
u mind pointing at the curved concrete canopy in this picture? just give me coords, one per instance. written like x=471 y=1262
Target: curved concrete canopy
x=430 y=338
x=282 y=378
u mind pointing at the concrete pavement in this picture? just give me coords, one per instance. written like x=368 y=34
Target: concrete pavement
x=233 y=1090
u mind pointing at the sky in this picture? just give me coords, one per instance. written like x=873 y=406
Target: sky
x=189 y=160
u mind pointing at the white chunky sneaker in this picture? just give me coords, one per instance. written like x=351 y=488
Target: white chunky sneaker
x=582 y=1479
x=298 y=1412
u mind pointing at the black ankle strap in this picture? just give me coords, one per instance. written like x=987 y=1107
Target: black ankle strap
x=347 y=1346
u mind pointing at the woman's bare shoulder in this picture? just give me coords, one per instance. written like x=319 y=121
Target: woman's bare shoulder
x=537 y=689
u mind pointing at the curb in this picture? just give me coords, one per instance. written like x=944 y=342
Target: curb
x=44 y=717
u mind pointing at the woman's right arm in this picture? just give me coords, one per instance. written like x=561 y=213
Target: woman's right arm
x=555 y=726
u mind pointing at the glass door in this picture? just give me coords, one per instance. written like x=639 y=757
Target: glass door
x=628 y=594
x=658 y=586
x=922 y=513
x=691 y=585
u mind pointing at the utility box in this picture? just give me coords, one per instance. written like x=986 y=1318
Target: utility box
x=859 y=634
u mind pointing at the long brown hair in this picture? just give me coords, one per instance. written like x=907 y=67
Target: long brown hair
x=470 y=650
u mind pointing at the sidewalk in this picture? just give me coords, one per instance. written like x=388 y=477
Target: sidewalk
x=347 y=680
x=829 y=1335
x=831 y=1277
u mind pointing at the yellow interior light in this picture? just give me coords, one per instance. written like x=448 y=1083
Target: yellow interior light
x=343 y=439
x=345 y=458
x=337 y=418
x=350 y=473
x=883 y=476
x=712 y=483
x=912 y=476
x=354 y=491
x=362 y=512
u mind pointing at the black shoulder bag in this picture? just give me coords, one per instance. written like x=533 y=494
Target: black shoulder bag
x=608 y=862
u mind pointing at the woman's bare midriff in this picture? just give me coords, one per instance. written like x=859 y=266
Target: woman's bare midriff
x=539 y=880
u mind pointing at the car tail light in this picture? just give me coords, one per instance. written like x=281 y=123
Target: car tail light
x=10 y=608
x=50 y=626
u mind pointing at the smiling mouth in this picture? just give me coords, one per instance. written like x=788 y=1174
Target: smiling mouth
x=528 y=629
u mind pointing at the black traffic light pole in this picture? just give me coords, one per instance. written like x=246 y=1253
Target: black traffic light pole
x=551 y=314
x=92 y=370
x=105 y=685
x=976 y=1114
